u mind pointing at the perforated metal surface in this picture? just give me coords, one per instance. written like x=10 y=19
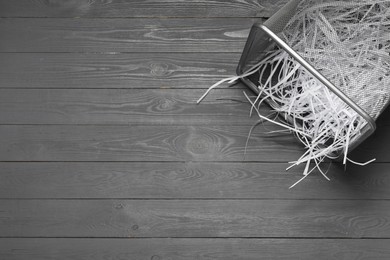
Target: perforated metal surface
x=281 y=18
x=324 y=17
x=340 y=23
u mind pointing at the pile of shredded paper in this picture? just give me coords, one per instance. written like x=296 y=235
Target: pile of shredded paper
x=348 y=42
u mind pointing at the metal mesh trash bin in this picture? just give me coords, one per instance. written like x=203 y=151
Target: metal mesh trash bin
x=340 y=23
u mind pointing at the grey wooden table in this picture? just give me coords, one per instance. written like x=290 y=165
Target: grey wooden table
x=105 y=155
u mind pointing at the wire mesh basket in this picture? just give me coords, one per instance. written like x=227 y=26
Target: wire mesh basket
x=342 y=24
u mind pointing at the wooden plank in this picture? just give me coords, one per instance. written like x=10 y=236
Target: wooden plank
x=141 y=8
x=135 y=70
x=187 y=249
x=195 y=218
x=143 y=143
x=188 y=180
x=130 y=70
x=124 y=106
x=162 y=143
x=124 y=35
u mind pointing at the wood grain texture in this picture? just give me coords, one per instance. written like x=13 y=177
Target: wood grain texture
x=162 y=143
x=188 y=180
x=143 y=143
x=188 y=249
x=139 y=8
x=124 y=35
x=104 y=155
x=124 y=106
x=195 y=218
x=130 y=70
